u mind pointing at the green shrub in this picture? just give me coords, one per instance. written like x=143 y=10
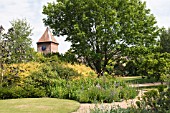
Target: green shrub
x=98 y=90
x=58 y=80
x=11 y=92
x=155 y=102
x=21 y=92
x=42 y=80
x=91 y=90
x=63 y=71
x=31 y=92
x=161 y=88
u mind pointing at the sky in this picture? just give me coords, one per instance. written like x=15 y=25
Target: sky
x=32 y=11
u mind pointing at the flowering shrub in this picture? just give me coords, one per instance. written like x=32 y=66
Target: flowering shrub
x=84 y=70
x=62 y=80
x=16 y=73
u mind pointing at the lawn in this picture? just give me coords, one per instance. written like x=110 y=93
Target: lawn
x=38 y=105
x=137 y=80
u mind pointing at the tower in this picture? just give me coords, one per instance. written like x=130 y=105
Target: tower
x=47 y=43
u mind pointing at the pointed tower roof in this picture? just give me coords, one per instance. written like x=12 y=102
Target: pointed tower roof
x=47 y=37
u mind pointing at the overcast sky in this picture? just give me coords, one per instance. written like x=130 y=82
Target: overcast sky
x=32 y=11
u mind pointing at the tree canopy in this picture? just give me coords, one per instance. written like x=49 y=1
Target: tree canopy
x=165 y=40
x=101 y=29
x=16 y=43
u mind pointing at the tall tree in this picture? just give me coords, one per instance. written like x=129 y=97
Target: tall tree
x=165 y=40
x=15 y=44
x=1 y=53
x=100 y=29
x=18 y=41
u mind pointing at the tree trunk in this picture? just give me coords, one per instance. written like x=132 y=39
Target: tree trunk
x=98 y=68
x=2 y=74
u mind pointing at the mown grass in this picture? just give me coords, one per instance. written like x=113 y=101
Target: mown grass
x=38 y=105
x=137 y=80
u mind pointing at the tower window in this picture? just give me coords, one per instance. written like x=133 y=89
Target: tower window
x=43 y=48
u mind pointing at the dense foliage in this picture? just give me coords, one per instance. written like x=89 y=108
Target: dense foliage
x=83 y=90
x=151 y=65
x=101 y=29
x=165 y=40
x=57 y=79
x=15 y=44
x=151 y=102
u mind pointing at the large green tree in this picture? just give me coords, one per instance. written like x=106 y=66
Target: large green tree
x=100 y=29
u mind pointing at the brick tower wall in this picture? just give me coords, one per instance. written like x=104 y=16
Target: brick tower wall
x=50 y=47
x=54 y=48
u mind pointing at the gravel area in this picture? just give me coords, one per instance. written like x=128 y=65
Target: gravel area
x=85 y=107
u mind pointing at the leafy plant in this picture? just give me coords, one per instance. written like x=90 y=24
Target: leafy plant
x=15 y=45
x=155 y=101
x=101 y=29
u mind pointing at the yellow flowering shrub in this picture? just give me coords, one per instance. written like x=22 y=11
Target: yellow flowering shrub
x=16 y=73
x=21 y=70
x=83 y=69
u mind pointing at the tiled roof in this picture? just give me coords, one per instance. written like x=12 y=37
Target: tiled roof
x=47 y=37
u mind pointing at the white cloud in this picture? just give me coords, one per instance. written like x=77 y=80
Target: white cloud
x=160 y=9
x=32 y=11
